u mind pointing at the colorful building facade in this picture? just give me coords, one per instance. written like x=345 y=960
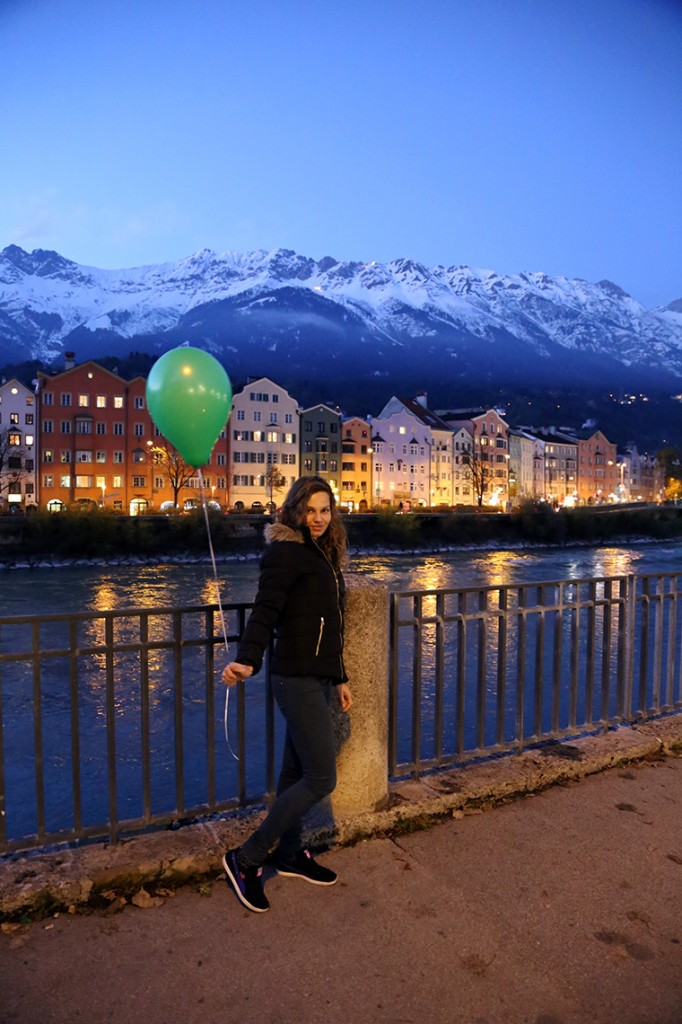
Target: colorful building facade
x=18 y=447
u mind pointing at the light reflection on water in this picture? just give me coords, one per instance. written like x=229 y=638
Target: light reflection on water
x=617 y=562
x=101 y=588
x=478 y=568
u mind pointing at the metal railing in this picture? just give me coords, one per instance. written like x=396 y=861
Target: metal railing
x=109 y=723
x=477 y=672
x=112 y=722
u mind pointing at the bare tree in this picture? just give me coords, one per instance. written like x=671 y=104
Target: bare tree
x=171 y=463
x=274 y=480
x=478 y=473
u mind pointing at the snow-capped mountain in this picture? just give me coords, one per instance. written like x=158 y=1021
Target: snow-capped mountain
x=288 y=316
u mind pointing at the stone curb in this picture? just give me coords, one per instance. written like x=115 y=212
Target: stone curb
x=102 y=875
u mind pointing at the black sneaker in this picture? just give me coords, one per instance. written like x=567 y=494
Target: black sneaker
x=246 y=883
x=302 y=865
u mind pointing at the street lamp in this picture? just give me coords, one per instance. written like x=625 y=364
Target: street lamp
x=370 y=452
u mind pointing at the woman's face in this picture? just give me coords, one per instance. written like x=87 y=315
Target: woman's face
x=318 y=513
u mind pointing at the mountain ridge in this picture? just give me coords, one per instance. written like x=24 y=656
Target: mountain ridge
x=274 y=312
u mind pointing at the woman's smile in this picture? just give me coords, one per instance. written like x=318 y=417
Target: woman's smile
x=318 y=513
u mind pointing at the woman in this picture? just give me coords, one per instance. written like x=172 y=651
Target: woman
x=299 y=603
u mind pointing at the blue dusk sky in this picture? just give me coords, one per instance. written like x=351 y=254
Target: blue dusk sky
x=537 y=135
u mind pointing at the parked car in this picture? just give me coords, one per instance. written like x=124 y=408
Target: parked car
x=257 y=506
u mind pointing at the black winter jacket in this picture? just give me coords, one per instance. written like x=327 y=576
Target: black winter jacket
x=300 y=604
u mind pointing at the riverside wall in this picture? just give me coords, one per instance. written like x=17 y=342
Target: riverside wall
x=141 y=870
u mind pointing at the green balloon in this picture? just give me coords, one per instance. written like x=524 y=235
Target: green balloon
x=189 y=397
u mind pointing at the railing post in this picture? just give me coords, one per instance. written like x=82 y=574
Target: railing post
x=363 y=759
x=629 y=654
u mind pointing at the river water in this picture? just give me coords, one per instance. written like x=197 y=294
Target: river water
x=98 y=588
x=43 y=590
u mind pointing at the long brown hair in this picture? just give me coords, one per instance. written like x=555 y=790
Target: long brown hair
x=293 y=513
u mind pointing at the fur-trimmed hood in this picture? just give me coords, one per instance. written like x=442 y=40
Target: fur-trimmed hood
x=298 y=611
x=278 y=531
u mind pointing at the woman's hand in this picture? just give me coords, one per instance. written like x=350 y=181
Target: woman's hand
x=235 y=672
x=344 y=696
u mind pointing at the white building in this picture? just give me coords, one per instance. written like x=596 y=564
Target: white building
x=462 y=444
x=538 y=467
x=264 y=443
x=522 y=449
x=412 y=462
x=17 y=445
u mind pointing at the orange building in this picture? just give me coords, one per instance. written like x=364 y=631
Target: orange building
x=96 y=441
x=356 y=464
x=598 y=474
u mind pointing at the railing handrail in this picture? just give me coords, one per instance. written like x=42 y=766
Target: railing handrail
x=105 y=613
x=533 y=584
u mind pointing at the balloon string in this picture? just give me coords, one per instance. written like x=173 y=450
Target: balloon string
x=220 y=606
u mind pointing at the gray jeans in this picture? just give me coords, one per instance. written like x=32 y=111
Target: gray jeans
x=308 y=766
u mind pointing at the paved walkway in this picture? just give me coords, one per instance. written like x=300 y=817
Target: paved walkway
x=560 y=908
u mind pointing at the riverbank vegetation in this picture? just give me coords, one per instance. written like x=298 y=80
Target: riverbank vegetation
x=103 y=534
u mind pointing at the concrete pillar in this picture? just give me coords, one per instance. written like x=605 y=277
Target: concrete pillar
x=363 y=758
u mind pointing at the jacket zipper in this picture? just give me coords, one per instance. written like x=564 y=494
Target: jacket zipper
x=338 y=608
x=319 y=636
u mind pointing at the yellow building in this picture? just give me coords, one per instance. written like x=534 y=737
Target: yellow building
x=356 y=464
